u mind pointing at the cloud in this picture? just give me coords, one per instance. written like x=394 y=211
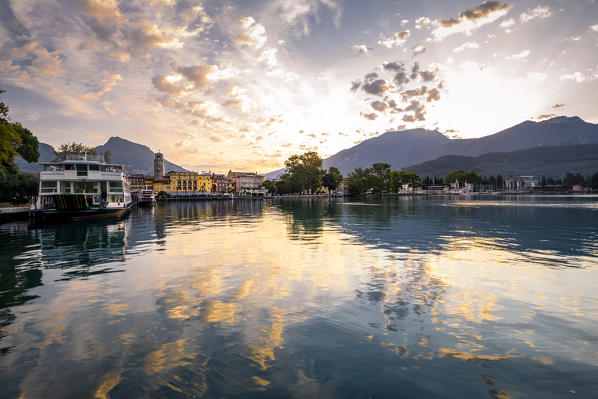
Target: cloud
x=507 y=23
x=467 y=45
x=418 y=50
x=203 y=75
x=575 y=76
x=355 y=85
x=252 y=34
x=32 y=57
x=433 y=95
x=397 y=39
x=519 y=56
x=470 y=20
x=422 y=22
x=539 y=12
x=379 y=106
x=427 y=76
x=557 y=106
x=545 y=116
x=370 y=117
x=594 y=28
x=361 y=49
x=238 y=99
x=106 y=85
x=377 y=87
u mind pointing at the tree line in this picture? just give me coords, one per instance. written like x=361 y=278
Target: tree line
x=305 y=175
x=16 y=186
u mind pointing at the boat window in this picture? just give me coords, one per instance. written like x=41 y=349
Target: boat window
x=65 y=187
x=116 y=186
x=69 y=166
x=48 y=186
x=86 y=187
x=94 y=167
x=81 y=169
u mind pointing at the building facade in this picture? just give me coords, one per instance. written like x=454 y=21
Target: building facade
x=221 y=184
x=158 y=165
x=137 y=182
x=191 y=183
x=246 y=182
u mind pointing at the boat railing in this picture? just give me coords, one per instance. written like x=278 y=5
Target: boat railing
x=84 y=157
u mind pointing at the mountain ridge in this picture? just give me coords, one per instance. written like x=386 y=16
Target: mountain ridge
x=405 y=148
x=137 y=158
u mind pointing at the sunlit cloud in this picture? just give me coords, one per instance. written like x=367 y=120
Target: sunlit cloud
x=470 y=20
x=466 y=45
x=539 y=12
x=575 y=76
x=396 y=39
x=519 y=56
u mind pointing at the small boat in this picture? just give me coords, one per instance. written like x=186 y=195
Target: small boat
x=144 y=198
x=82 y=186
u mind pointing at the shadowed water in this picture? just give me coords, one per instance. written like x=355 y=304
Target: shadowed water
x=433 y=298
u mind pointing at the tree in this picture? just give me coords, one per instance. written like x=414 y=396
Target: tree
x=15 y=140
x=270 y=186
x=305 y=171
x=332 y=179
x=357 y=182
x=74 y=148
x=379 y=177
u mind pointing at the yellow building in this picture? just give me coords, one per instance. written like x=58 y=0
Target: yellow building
x=161 y=184
x=190 y=182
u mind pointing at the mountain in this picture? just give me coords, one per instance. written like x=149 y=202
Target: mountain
x=46 y=154
x=411 y=147
x=137 y=158
x=541 y=161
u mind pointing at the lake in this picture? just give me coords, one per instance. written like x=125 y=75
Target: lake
x=410 y=297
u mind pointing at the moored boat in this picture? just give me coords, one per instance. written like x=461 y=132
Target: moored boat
x=82 y=186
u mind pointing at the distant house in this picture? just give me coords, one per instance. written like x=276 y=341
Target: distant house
x=247 y=182
x=578 y=188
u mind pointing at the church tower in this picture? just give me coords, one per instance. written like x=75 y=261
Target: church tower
x=158 y=165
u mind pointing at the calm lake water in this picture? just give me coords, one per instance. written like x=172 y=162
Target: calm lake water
x=402 y=298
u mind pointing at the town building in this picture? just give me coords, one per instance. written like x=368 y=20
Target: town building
x=161 y=184
x=247 y=182
x=137 y=182
x=190 y=183
x=221 y=184
x=149 y=182
x=158 y=165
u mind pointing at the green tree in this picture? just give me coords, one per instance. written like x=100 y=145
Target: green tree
x=74 y=148
x=332 y=179
x=15 y=140
x=357 y=182
x=379 y=177
x=464 y=177
x=305 y=171
x=270 y=186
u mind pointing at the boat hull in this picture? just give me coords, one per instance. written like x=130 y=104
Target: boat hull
x=60 y=216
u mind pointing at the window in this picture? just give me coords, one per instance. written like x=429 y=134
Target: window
x=85 y=187
x=81 y=169
x=116 y=186
x=94 y=167
x=65 y=186
x=69 y=166
x=49 y=186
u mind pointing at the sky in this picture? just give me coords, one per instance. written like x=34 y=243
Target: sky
x=242 y=85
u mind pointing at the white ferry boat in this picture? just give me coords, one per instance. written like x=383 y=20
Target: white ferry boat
x=82 y=186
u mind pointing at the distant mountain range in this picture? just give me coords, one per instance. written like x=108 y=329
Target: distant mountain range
x=413 y=147
x=541 y=161
x=137 y=158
